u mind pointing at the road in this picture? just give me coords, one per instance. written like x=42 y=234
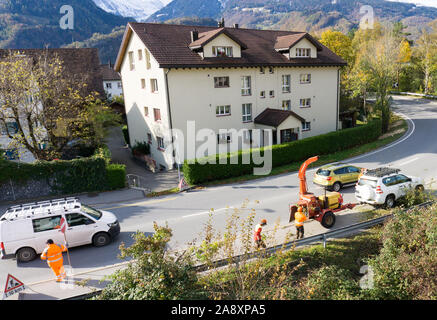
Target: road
x=187 y=213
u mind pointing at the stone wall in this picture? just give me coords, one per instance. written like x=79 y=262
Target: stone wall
x=11 y=191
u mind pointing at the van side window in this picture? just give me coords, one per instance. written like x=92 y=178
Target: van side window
x=77 y=219
x=46 y=224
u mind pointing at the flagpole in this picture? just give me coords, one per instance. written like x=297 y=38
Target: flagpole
x=68 y=252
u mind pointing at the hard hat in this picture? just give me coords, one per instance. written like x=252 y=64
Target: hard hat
x=263 y=221
x=299 y=209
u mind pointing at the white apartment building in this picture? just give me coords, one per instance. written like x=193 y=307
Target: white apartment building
x=225 y=78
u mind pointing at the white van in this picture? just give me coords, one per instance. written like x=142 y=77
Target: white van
x=25 y=229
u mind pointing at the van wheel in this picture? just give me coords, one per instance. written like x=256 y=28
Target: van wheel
x=328 y=220
x=390 y=201
x=336 y=186
x=25 y=254
x=101 y=239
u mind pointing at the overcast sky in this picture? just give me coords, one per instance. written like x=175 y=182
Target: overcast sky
x=429 y=3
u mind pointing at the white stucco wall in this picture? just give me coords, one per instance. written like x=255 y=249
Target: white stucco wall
x=137 y=98
x=304 y=43
x=225 y=41
x=114 y=90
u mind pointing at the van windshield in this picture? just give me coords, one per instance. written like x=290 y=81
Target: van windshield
x=96 y=214
x=367 y=182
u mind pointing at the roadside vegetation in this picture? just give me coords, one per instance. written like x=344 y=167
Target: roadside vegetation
x=395 y=261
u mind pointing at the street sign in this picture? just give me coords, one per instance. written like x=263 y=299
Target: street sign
x=13 y=286
x=183 y=185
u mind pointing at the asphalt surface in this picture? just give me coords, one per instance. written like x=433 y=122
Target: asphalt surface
x=187 y=213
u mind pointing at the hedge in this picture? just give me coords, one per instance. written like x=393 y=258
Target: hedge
x=69 y=176
x=63 y=176
x=115 y=176
x=282 y=154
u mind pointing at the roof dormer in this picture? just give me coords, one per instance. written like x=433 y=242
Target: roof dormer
x=299 y=45
x=216 y=43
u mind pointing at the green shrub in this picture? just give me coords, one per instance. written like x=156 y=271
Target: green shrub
x=141 y=147
x=125 y=134
x=104 y=153
x=282 y=154
x=115 y=176
x=64 y=177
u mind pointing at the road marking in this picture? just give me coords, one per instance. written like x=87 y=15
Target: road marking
x=140 y=203
x=205 y=212
x=407 y=162
x=391 y=145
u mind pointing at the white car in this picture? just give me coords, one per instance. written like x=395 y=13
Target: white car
x=384 y=186
x=25 y=229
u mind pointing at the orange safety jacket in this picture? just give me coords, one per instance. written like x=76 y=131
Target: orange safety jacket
x=257 y=234
x=299 y=219
x=53 y=253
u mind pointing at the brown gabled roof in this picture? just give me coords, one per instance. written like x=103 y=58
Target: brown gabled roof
x=274 y=117
x=80 y=63
x=108 y=73
x=208 y=36
x=288 y=41
x=169 y=45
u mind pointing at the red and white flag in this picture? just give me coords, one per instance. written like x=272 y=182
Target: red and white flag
x=62 y=225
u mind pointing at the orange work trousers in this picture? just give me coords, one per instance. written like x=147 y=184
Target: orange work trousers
x=58 y=269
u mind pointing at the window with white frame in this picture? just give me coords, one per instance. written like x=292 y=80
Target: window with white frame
x=157 y=114
x=221 y=82
x=286 y=83
x=119 y=85
x=148 y=65
x=303 y=52
x=271 y=70
x=306 y=126
x=154 y=85
x=108 y=85
x=222 y=51
x=146 y=111
x=223 y=110
x=261 y=70
x=131 y=60
x=305 y=78
x=286 y=105
x=262 y=94
x=272 y=93
x=140 y=55
x=247 y=112
x=224 y=138
x=246 y=86
x=247 y=136
x=305 y=103
x=160 y=143
x=143 y=83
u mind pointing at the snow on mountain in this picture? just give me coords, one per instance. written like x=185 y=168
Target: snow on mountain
x=138 y=9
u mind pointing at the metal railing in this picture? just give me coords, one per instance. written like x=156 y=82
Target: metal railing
x=137 y=182
x=351 y=229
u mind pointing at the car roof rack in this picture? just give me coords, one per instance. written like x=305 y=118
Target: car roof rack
x=381 y=172
x=33 y=209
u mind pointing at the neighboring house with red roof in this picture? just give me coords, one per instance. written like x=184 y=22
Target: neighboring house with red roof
x=226 y=78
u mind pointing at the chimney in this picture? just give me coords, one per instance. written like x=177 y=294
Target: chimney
x=194 y=35
x=236 y=25
x=221 y=24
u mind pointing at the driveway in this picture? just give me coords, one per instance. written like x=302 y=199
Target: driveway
x=159 y=181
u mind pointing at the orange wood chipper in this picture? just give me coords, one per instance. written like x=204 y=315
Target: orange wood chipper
x=321 y=208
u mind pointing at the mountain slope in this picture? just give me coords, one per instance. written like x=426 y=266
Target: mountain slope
x=138 y=9
x=304 y=15
x=35 y=23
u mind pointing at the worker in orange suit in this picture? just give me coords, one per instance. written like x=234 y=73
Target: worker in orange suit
x=257 y=235
x=299 y=219
x=53 y=254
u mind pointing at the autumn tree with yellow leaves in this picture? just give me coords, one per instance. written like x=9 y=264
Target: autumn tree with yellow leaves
x=47 y=106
